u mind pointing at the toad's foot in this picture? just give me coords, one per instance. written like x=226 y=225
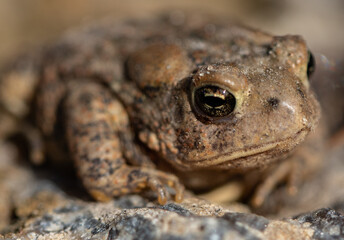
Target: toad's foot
x=133 y=180
x=276 y=176
x=293 y=171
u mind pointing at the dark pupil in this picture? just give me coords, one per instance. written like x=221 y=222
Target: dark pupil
x=214 y=101
x=311 y=64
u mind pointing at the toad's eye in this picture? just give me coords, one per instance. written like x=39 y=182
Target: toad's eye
x=214 y=101
x=311 y=64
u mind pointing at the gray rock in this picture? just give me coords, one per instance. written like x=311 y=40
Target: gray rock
x=133 y=217
x=327 y=223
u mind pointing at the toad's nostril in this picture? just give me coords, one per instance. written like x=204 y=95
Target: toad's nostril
x=274 y=102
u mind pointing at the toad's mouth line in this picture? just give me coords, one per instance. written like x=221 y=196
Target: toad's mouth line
x=252 y=151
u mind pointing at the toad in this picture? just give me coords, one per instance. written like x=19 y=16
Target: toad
x=162 y=104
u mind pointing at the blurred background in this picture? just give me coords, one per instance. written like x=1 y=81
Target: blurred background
x=27 y=24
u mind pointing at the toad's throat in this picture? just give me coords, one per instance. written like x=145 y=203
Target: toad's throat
x=286 y=144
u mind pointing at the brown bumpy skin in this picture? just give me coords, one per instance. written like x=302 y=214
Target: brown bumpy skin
x=95 y=122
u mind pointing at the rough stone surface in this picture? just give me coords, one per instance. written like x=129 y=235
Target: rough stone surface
x=326 y=222
x=133 y=217
x=44 y=212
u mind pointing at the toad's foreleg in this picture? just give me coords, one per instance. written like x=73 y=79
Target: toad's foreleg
x=95 y=122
